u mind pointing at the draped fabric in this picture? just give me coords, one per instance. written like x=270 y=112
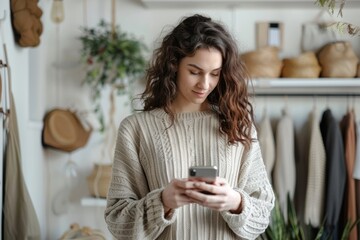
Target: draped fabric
x=315 y=190
x=267 y=144
x=335 y=172
x=331 y=150
x=20 y=220
x=356 y=173
x=284 y=169
x=349 y=207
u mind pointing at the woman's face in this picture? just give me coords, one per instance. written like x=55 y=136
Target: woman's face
x=197 y=77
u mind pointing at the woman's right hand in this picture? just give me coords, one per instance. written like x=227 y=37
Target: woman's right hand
x=173 y=196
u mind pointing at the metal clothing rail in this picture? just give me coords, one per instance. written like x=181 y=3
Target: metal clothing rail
x=321 y=87
x=352 y=94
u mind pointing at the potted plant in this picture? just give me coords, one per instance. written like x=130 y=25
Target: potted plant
x=281 y=228
x=112 y=58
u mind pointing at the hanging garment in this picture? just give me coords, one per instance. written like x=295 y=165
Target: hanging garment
x=315 y=189
x=347 y=125
x=335 y=172
x=284 y=169
x=356 y=173
x=267 y=144
x=20 y=220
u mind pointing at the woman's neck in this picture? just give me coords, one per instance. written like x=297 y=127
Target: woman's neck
x=177 y=108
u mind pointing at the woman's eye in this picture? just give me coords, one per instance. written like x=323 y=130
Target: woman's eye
x=194 y=73
x=215 y=74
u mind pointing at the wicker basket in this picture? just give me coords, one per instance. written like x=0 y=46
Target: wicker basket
x=99 y=180
x=301 y=72
x=338 y=60
x=304 y=59
x=82 y=233
x=305 y=65
x=262 y=55
x=263 y=63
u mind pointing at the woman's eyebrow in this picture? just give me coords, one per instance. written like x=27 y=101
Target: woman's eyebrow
x=199 y=68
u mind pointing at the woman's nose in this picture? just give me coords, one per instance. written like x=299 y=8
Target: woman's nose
x=204 y=82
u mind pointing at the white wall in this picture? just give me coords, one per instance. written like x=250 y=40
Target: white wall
x=39 y=86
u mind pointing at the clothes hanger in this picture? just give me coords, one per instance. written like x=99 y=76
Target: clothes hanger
x=285 y=108
x=314 y=103
x=265 y=107
x=327 y=102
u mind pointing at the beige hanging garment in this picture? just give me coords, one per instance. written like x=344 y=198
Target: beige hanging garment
x=284 y=173
x=267 y=144
x=315 y=189
x=20 y=220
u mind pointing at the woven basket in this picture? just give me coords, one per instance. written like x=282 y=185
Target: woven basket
x=262 y=55
x=99 y=180
x=338 y=60
x=305 y=65
x=265 y=70
x=304 y=59
x=263 y=63
x=82 y=233
x=301 y=72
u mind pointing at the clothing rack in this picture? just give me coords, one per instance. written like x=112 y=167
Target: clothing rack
x=352 y=94
x=306 y=87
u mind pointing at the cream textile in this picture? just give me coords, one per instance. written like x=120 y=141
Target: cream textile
x=20 y=219
x=315 y=190
x=267 y=143
x=149 y=153
x=284 y=170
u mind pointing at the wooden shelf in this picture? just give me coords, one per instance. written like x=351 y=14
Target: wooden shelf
x=237 y=3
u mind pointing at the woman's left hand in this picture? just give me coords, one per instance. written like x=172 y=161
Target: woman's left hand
x=219 y=196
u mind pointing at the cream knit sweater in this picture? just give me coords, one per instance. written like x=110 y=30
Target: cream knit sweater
x=149 y=154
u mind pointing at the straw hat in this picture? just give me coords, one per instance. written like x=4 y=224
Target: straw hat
x=64 y=131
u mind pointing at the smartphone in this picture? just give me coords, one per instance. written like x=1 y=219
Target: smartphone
x=207 y=174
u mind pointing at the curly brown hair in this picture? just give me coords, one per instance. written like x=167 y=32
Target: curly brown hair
x=229 y=99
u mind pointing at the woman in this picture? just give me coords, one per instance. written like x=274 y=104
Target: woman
x=196 y=113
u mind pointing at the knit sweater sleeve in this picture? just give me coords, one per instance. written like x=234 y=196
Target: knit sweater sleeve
x=256 y=194
x=132 y=211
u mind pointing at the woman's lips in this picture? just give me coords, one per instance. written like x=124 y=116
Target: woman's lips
x=200 y=94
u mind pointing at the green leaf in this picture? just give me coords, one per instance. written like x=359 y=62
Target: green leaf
x=110 y=57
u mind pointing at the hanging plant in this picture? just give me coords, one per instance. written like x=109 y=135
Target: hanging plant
x=343 y=27
x=112 y=58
